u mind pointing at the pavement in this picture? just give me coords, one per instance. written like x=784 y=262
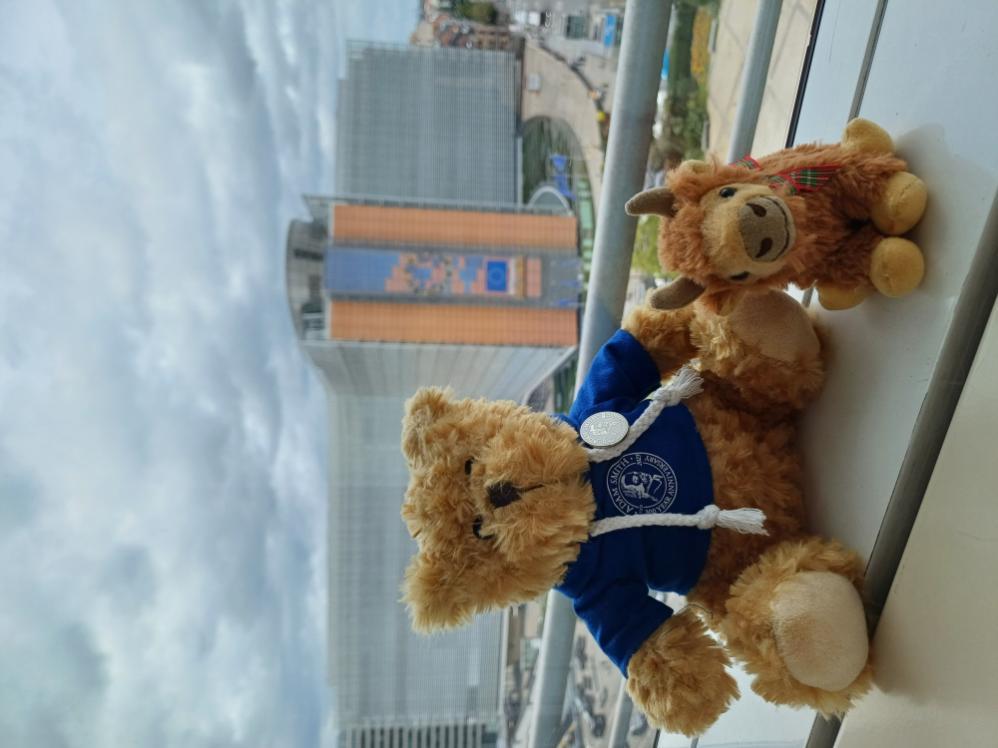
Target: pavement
x=563 y=95
x=598 y=63
x=731 y=39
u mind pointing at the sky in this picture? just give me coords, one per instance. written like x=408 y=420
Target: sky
x=163 y=450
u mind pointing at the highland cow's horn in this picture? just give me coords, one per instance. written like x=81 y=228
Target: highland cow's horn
x=657 y=201
x=677 y=294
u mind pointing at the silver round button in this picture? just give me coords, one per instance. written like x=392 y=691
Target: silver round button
x=604 y=429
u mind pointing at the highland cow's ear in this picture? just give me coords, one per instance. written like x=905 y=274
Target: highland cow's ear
x=657 y=201
x=675 y=295
x=434 y=601
x=422 y=410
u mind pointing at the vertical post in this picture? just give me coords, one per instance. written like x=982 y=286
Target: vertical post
x=646 y=27
x=754 y=74
x=621 y=719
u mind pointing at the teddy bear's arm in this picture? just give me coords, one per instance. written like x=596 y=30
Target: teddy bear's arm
x=664 y=335
x=620 y=614
x=679 y=678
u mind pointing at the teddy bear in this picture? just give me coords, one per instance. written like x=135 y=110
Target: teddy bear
x=692 y=487
x=830 y=216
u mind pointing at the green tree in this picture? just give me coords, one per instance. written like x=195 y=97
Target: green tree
x=481 y=12
x=685 y=112
x=684 y=116
x=645 y=257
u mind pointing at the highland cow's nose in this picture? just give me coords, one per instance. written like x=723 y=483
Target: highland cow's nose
x=503 y=494
x=766 y=228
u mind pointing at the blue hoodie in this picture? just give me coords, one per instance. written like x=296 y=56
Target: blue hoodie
x=665 y=470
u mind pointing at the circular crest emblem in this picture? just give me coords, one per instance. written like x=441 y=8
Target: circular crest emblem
x=604 y=429
x=642 y=483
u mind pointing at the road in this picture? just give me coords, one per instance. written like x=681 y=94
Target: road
x=564 y=96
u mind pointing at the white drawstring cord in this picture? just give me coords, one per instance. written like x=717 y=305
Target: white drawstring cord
x=746 y=520
x=685 y=384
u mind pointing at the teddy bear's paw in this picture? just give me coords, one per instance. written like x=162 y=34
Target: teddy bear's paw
x=901 y=205
x=820 y=629
x=678 y=677
x=795 y=620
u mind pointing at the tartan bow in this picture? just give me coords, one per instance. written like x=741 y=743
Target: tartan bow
x=804 y=179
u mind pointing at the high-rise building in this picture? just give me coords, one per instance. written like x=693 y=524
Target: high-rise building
x=424 y=271
x=418 y=274
x=428 y=123
x=389 y=296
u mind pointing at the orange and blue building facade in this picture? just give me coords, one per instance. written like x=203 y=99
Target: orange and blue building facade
x=445 y=275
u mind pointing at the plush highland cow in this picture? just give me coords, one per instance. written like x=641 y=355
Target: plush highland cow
x=822 y=215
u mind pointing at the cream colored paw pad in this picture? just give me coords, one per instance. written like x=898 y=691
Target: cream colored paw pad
x=820 y=629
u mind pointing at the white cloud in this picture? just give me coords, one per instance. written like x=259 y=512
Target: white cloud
x=162 y=469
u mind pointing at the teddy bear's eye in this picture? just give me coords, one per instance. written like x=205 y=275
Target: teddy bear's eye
x=467 y=466
x=727 y=191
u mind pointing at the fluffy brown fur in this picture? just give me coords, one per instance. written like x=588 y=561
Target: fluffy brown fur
x=456 y=574
x=678 y=654
x=761 y=364
x=747 y=417
x=835 y=237
x=750 y=637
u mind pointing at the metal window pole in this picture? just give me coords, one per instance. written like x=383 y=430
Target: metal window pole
x=621 y=720
x=754 y=74
x=646 y=26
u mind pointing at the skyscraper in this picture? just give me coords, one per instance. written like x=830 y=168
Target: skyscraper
x=426 y=274
x=425 y=123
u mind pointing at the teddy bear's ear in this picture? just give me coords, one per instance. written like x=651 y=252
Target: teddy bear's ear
x=435 y=602
x=421 y=410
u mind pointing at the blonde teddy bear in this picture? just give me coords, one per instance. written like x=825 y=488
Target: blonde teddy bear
x=693 y=487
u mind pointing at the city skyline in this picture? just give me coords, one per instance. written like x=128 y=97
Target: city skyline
x=422 y=269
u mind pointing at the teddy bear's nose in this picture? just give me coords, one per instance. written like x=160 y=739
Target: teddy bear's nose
x=503 y=494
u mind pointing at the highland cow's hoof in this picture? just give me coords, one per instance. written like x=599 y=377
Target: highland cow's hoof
x=820 y=629
x=836 y=298
x=678 y=676
x=868 y=137
x=896 y=267
x=901 y=206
